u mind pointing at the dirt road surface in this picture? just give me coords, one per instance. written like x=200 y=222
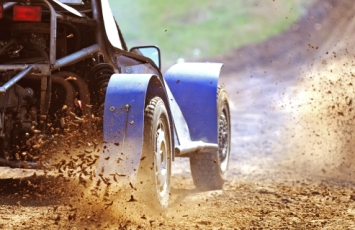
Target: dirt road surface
x=292 y=163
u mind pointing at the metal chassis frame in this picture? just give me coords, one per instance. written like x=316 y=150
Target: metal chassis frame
x=45 y=70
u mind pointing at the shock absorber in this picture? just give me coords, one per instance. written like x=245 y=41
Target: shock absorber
x=99 y=78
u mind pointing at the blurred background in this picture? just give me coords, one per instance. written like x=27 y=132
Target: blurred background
x=288 y=70
x=202 y=29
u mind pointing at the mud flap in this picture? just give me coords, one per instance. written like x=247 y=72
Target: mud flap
x=123 y=126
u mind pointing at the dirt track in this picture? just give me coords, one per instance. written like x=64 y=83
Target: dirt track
x=292 y=160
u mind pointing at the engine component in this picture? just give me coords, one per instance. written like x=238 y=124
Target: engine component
x=17 y=117
x=82 y=87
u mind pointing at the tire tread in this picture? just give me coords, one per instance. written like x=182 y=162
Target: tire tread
x=205 y=166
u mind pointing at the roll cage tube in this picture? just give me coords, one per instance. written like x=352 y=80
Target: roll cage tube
x=104 y=21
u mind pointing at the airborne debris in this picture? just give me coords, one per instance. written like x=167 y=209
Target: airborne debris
x=109 y=204
x=131 y=185
x=132 y=199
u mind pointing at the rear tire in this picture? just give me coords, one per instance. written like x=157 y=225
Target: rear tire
x=155 y=169
x=209 y=169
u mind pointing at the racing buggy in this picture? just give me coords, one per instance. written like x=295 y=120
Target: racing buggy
x=66 y=72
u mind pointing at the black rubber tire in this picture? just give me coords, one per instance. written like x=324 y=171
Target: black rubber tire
x=209 y=169
x=157 y=138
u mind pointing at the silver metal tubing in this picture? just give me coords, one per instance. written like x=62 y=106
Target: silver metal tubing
x=37 y=68
x=77 y=56
x=18 y=67
x=15 y=79
x=101 y=33
x=8 y=5
x=96 y=6
x=195 y=147
x=53 y=33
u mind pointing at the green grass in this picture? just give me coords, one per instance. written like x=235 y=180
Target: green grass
x=198 y=29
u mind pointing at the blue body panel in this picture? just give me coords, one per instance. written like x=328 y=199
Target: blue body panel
x=190 y=96
x=194 y=87
x=124 y=124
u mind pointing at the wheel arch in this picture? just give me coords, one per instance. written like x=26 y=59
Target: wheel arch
x=194 y=87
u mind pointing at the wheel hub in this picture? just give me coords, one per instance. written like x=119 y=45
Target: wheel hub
x=161 y=163
x=223 y=142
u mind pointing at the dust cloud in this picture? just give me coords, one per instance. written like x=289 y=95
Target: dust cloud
x=293 y=98
x=321 y=123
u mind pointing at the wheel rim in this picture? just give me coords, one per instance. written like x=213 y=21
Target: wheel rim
x=223 y=142
x=161 y=162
